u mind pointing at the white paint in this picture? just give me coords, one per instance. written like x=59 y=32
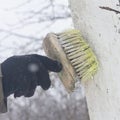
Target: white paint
x=101 y=29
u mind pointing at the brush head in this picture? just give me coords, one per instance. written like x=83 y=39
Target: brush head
x=74 y=53
x=79 y=54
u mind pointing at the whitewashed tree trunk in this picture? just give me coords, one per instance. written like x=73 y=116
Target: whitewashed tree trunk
x=101 y=28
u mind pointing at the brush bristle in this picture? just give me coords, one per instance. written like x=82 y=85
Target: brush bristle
x=79 y=53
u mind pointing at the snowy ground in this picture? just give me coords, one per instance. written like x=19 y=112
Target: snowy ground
x=18 y=27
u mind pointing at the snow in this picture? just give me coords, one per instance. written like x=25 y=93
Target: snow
x=12 y=14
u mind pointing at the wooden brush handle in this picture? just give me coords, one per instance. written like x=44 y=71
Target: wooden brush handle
x=54 y=50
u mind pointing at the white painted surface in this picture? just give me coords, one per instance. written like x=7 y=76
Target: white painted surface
x=101 y=28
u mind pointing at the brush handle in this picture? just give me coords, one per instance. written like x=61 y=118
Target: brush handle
x=54 y=50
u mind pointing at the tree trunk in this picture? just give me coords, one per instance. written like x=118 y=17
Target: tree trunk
x=99 y=25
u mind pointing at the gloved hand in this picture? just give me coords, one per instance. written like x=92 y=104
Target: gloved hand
x=21 y=74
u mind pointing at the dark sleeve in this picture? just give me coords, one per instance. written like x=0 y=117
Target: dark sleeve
x=3 y=101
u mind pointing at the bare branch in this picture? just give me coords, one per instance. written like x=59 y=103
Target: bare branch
x=18 y=35
x=110 y=9
x=18 y=6
x=43 y=15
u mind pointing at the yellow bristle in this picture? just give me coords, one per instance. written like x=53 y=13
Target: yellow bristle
x=79 y=53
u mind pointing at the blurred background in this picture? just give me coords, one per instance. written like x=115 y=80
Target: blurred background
x=23 y=26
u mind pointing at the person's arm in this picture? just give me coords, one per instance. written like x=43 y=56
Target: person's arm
x=3 y=102
x=21 y=74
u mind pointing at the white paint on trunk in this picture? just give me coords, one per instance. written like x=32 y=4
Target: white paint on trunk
x=101 y=28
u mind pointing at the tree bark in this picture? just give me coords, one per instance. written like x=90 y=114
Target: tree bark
x=101 y=28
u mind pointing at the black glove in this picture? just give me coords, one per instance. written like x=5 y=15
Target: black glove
x=21 y=74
